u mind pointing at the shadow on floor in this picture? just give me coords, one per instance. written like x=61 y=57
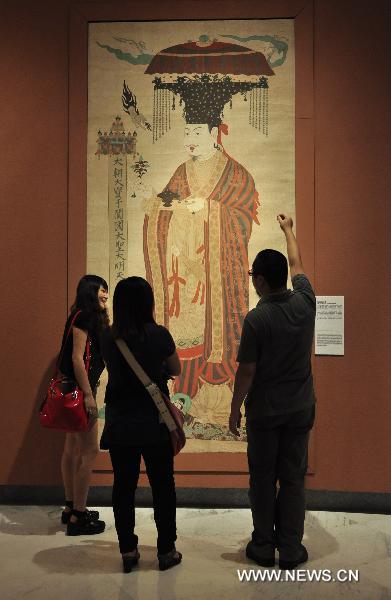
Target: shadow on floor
x=17 y=520
x=319 y=543
x=91 y=556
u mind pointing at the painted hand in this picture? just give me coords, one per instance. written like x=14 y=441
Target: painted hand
x=194 y=205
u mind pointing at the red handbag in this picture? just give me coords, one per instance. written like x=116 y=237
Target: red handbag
x=63 y=407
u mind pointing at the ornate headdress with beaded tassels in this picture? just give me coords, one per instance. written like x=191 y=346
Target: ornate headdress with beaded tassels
x=205 y=75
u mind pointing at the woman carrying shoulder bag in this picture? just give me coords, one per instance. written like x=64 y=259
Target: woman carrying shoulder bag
x=133 y=428
x=81 y=448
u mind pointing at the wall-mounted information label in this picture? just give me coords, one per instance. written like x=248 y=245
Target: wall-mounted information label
x=329 y=325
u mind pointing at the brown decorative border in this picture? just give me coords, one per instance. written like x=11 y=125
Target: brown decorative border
x=213 y=469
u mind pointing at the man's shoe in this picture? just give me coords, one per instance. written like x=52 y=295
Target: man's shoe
x=85 y=526
x=261 y=561
x=166 y=561
x=66 y=515
x=128 y=562
x=287 y=565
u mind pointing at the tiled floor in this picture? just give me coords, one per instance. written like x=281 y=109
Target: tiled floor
x=38 y=562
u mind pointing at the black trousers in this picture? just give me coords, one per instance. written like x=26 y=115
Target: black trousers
x=278 y=451
x=159 y=463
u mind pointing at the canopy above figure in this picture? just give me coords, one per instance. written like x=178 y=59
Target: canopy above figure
x=206 y=75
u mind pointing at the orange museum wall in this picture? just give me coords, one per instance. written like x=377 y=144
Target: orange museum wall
x=344 y=234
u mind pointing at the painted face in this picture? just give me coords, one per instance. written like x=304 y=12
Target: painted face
x=103 y=296
x=199 y=141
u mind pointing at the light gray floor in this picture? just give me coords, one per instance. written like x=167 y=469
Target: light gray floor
x=38 y=562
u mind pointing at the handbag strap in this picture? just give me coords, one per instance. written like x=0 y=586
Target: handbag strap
x=151 y=387
x=87 y=350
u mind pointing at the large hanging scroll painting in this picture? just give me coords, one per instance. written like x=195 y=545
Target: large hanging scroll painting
x=190 y=158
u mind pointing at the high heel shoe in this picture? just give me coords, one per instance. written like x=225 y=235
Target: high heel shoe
x=170 y=559
x=130 y=561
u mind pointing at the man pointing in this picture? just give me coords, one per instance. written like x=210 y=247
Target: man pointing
x=274 y=378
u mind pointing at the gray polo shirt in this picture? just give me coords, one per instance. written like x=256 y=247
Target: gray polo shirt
x=277 y=335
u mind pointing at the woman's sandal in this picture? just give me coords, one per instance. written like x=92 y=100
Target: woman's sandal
x=93 y=515
x=129 y=561
x=84 y=525
x=166 y=561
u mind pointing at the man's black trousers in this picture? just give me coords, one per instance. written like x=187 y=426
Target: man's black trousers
x=278 y=452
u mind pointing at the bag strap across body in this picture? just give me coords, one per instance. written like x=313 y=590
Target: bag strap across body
x=151 y=387
x=87 y=350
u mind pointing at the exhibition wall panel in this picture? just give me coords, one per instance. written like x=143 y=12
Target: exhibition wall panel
x=342 y=188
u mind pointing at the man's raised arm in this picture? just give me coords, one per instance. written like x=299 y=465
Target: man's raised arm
x=294 y=258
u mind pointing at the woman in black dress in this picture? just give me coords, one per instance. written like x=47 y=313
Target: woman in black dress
x=81 y=448
x=133 y=428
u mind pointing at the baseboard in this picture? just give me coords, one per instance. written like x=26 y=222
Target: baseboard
x=365 y=502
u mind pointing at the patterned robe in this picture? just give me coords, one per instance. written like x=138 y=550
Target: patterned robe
x=197 y=264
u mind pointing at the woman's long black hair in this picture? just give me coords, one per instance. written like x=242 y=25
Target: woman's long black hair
x=133 y=305
x=87 y=301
